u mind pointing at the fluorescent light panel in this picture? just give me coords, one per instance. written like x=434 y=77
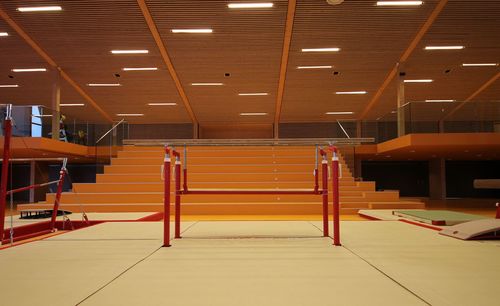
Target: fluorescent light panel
x=140 y=69
x=321 y=50
x=419 y=81
x=104 y=84
x=253 y=94
x=130 y=115
x=444 y=47
x=4 y=34
x=129 y=51
x=207 y=84
x=441 y=100
x=362 y=92
x=399 y=3
x=39 y=9
x=250 y=5
x=314 y=67
x=29 y=70
x=480 y=65
x=253 y=114
x=195 y=31
x=9 y=86
x=339 y=113
x=163 y=104
x=71 y=104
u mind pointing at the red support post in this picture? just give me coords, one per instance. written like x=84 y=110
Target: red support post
x=166 y=198
x=177 y=197
x=5 y=171
x=60 y=185
x=324 y=170
x=498 y=211
x=336 y=197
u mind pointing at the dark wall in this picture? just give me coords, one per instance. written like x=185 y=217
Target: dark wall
x=20 y=178
x=411 y=178
x=160 y=131
x=316 y=130
x=461 y=174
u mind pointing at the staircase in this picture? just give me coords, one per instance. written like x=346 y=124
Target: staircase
x=132 y=183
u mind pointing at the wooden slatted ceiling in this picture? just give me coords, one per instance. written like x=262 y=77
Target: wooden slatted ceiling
x=248 y=44
x=371 y=40
x=80 y=39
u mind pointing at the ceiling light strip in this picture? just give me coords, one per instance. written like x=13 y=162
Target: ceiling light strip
x=361 y=92
x=479 y=64
x=321 y=49
x=444 y=47
x=253 y=114
x=9 y=85
x=250 y=5
x=192 y=31
x=140 y=69
x=129 y=51
x=399 y=3
x=39 y=9
x=419 y=81
x=314 y=67
x=29 y=70
x=254 y=94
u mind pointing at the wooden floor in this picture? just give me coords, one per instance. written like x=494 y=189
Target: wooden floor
x=251 y=263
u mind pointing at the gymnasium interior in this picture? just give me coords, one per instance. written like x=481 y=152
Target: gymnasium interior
x=250 y=152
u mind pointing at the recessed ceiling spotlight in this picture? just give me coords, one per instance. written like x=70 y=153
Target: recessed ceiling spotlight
x=207 y=84
x=192 y=31
x=419 y=81
x=163 y=104
x=440 y=100
x=444 y=47
x=250 y=5
x=71 y=104
x=140 y=69
x=4 y=34
x=39 y=9
x=362 y=92
x=480 y=65
x=129 y=51
x=104 y=84
x=253 y=114
x=130 y=115
x=9 y=86
x=315 y=67
x=399 y=3
x=254 y=94
x=339 y=113
x=321 y=50
x=29 y=70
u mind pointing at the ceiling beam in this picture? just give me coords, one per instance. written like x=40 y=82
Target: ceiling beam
x=406 y=54
x=166 y=58
x=292 y=4
x=473 y=95
x=52 y=63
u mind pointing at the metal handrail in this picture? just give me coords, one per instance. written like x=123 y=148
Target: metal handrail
x=109 y=131
x=248 y=142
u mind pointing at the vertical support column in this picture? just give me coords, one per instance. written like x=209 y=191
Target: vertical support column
x=32 y=181
x=324 y=186
x=336 y=198
x=437 y=179
x=196 y=131
x=57 y=200
x=497 y=216
x=56 y=104
x=401 y=102
x=166 y=198
x=276 y=130
x=5 y=168
x=359 y=129
x=184 y=171
x=177 y=196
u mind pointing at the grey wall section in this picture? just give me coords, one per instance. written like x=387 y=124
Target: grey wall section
x=316 y=130
x=160 y=131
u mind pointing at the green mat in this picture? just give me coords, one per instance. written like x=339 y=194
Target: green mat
x=437 y=217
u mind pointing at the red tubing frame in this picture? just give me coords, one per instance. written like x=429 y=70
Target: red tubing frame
x=31 y=187
x=166 y=198
x=498 y=211
x=178 y=193
x=336 y=197
x=60 y=184
x=316 y=191
x=324 y=185
x=5 y=172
